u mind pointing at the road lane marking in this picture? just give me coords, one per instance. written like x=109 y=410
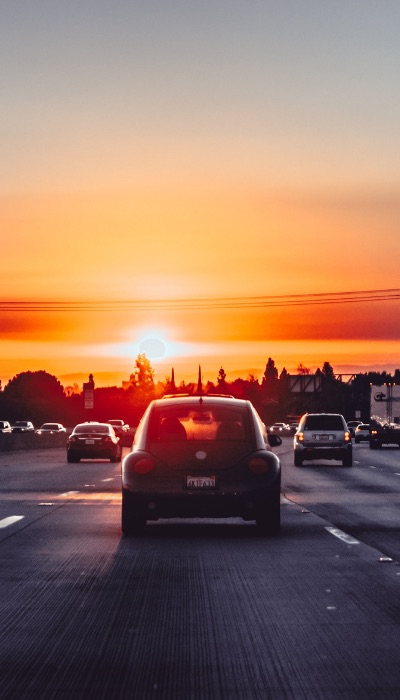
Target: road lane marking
x=342 y=535
x=68 y=493
x=11 y=520
x=111 y=479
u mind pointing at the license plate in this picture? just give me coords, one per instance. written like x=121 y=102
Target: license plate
x=200 y=482
x=89 y=442
x=323 y=438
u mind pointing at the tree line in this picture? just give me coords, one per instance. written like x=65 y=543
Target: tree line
x=39 y=396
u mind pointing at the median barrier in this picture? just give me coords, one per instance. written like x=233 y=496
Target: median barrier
x=10 y=442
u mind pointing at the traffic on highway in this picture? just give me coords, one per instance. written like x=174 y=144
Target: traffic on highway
x=200 y=607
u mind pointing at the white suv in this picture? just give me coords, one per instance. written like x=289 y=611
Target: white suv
x=323 y=436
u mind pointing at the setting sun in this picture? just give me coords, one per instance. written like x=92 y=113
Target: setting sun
x=216 y=199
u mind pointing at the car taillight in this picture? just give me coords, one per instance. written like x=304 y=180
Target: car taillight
x=300 y=437
x=108 y=439
x=347 y=436
x=143 y=465
x=374 y=432
x=258 y=465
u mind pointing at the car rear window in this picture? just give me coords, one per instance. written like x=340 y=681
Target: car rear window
x=91 y=429
x=179 y=423
x=324 y=423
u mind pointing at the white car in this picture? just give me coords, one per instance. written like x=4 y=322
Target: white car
x=51 y=428
x=279 y=427
x=5 y=426
x=323 y=436
x=362 y=433
x=23 y=426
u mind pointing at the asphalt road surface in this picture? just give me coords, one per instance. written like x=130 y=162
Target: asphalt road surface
x=200 y=609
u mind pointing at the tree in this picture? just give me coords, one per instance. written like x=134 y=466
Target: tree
x=270 y=381
x=221 y=381
x=39 y=396
x=271 y=372
x=143 y=374
x=327 y=371
x=303 y=370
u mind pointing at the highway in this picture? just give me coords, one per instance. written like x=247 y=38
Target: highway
x=200 y=609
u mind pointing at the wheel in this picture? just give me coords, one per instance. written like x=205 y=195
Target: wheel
x=72 y=458
x=132 y=522
x=298 y=460
x=268 y=518
x=347 y=460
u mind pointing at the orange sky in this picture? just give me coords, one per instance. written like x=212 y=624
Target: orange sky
x=159 y=156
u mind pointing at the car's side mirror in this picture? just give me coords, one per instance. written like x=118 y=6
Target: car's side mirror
x=274 y=440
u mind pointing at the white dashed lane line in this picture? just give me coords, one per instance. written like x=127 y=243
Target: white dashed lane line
x=342 y=535
x=11 y=520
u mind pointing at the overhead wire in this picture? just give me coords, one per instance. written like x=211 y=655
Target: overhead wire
x=202 y=303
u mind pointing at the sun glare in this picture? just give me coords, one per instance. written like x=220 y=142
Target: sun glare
x=154 y=343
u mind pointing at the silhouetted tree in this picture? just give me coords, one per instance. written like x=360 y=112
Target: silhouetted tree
x=221 y=381
x=303 y=370
x=36 y=396
x=270 y=381
x=327 y=371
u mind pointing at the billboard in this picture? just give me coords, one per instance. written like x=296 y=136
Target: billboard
x=304 y=383
x=385 y=403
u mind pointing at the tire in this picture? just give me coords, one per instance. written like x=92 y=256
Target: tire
x=72 y=459
x=268 y=518
x=347 y=461
x=374 y=445
x=132 y=522
x=298 y=460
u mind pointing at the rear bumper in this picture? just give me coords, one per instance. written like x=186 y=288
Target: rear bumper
x=153 y=506
x=319 y=452
x=93 y=453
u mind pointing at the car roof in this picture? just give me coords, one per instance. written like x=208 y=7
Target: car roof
x=190 y=400
x=88 y=423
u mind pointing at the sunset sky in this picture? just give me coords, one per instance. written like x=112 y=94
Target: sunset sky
x=214 y=183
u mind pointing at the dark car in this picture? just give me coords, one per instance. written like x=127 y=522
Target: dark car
x=23 y=426
x=323 y=436
x=201 y=456
x=93 y=440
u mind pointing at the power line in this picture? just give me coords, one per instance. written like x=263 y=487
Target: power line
x=263 y=301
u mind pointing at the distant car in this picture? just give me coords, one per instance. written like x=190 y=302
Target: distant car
x=323 y=436
x=279 y=427
x=352 y=425
x=119 y=426
x=362 y=433
x=93 y=440
x=5 y=426
x=201 y=456
x=51 y=428
x=23 y=426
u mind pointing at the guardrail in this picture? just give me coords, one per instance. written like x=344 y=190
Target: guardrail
x=31 y=441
